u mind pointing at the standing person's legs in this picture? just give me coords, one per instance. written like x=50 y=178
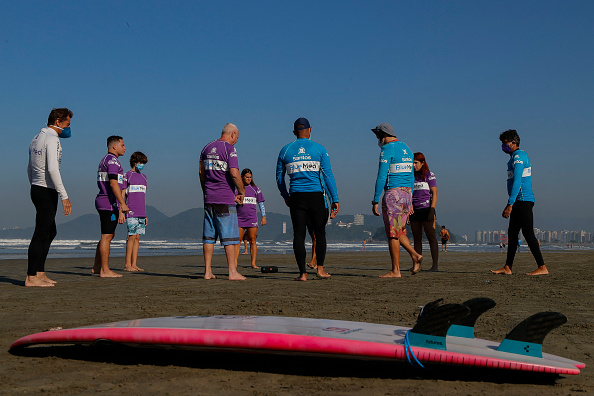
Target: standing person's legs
x=252 y=235
x=394 y=247
x=312 y=263
x=109 y=221
x=45 y=201
x=136 y=228
x=429 y=227
x=417 y=231
x=513 y=231
x=318 y=217
x=528 y=232
x=395 y=207
x=242 y=237
x=226 y=225
x=299 y=219
x=209 y=238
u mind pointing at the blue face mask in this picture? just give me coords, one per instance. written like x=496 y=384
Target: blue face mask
x=506 y=149
x=139 y=167
x=65 y=133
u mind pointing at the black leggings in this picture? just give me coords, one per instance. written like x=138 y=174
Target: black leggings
x=308 y=209
x=521 y=218
x=46 y=206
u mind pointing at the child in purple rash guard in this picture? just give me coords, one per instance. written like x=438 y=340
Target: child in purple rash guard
x=135 y=191
x=247 y=214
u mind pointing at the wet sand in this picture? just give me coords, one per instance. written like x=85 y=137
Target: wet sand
x=172 y=286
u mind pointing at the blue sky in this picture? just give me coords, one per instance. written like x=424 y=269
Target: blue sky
x=448 y=75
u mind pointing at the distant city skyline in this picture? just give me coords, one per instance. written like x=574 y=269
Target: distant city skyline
x=563 y=236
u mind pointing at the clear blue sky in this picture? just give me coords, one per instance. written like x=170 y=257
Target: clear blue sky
x=167 y=75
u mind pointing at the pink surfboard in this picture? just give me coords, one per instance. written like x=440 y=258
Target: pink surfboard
x=324 y=337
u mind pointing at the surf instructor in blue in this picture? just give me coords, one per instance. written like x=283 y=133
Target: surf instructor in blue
x=308 y=165
x=520 y=203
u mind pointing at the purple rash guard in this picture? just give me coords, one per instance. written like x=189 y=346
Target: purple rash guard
x=421 y=197
x=218 y=158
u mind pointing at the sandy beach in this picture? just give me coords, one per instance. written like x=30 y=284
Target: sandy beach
x=172 y=286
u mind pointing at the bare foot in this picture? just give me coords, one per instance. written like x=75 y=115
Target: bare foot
x=312 y=265
x=505 y=270
x=42 y=276
x=109 y=274
x=323 y=274
x=209 y=276
x=301 y=278
x=245 y=252
x=236 y=277
x=542 y=270
x=417 y=264
x=391 y=274
x=137 y=268
x=33 y=281
x=255 y=267
x=96 y=270
x=433 y=269
x=130 y=269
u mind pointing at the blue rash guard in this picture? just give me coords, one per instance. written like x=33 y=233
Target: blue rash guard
x=519 y=178
x=395 y=168
x=306 y=163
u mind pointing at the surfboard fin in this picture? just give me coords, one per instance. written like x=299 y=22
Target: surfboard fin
x=464 y=326
x=435 y=319
x=433 y=323
x=527 y=337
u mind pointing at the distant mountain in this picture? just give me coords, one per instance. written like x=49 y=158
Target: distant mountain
x=83 y=227
x=188 y=225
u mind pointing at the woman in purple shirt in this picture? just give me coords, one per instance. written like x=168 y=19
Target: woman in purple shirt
x=424 y=199
x=247 y=214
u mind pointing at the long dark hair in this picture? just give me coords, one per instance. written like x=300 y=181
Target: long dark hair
x=244 y=172
x=424 y=167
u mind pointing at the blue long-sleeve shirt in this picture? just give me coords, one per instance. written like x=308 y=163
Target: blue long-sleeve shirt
x=307 y=163
x=395 y=168
x=519 y=178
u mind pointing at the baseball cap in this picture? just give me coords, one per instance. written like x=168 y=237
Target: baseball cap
x=301 y=121
x=384 y=129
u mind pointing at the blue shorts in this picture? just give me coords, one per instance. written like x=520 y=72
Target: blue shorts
x=220 y=222
x=136 y=225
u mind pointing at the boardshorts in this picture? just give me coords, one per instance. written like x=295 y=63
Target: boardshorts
x=395 y=206
x=220 y=222
x=109 y=221
x=136 y=225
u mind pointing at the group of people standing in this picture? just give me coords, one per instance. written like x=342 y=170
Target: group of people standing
x=121 y=198
x=406 y=186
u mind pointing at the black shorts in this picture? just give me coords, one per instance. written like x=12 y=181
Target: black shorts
x=109 y=221
x=420 y=215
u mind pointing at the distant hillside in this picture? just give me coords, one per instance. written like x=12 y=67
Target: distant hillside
x=83 y=227
x=188 y=225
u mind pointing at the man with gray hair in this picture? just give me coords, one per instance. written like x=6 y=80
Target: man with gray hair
x=220 y=179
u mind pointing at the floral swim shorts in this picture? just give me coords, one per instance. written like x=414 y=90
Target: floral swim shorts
x=395 y=206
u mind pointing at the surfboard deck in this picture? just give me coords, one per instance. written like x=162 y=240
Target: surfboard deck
x=301 y=336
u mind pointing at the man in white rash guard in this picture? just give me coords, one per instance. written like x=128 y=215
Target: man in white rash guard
x=45 y=156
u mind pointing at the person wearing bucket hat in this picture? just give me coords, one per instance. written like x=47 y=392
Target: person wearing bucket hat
x=308 y=165
x=395 y=179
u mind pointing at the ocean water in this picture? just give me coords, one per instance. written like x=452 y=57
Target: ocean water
x=17 y=248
